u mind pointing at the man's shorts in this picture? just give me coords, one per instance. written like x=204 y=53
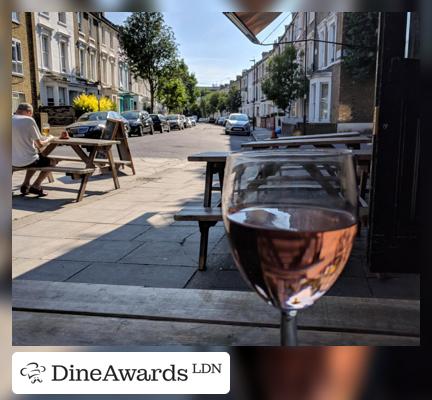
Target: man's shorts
x=42 y=161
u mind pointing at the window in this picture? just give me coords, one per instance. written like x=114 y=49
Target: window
x=82 y=61
x=103 y=35
x=104 y=70
x=79 y=21
x=311 y=16
x=62 y=96
x=17 y=98
x=321 y=49
x=63 y=57
x=90 y=23
x=45 y=42
x=44 y=14
x=50 y=95
x=17 y=62
x=111 y=40
x=112 y=74
x=310 y=54
x=62 y=17
x=331 y=48
x=324 y=102
x=15 y=17
x=319 y=100
x=93 y=66
x=121 y=75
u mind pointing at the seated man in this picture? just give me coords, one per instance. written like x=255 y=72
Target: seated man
x=26 y=141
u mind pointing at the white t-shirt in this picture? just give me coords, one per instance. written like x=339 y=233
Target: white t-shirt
x=24 y=133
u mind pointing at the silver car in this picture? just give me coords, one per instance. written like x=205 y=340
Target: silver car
x=238 y=123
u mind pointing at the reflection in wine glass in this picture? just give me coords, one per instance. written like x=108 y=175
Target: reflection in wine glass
x=290 y=217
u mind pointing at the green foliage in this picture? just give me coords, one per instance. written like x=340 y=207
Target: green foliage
x=149 y=46
x=173 y=94
x=234 y=100
x=213 y=102
x=362 y=31
x=222 y=102
x=286 y=81
x=89 y=103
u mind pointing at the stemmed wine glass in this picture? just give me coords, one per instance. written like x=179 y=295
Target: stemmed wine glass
x=291 y=219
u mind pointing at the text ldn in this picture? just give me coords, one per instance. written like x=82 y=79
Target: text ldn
x=206 y=368
x=72 y=374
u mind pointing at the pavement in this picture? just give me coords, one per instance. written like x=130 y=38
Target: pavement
x=129 y=237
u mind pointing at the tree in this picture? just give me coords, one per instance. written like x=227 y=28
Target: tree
x=181 y=70
x=222 y=102
x=361 y=31
x=173 y=94
x=149 y=46
x=234 y=99
x=89 y=103
x=285 y=82
x=213 y=102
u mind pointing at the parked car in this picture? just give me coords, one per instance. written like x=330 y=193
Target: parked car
x=90 y=125
x=238 y=123
x=202 y=119
x=188 y=123
x=160 y=123
x=221 y=121
x=193 y=120
x=176 y=121
x=139 y=121
x=211 y=120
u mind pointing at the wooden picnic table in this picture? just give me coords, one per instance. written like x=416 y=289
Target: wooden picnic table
x=77 y=146
x=69 y=313
x=296 y=141
x=216 y=161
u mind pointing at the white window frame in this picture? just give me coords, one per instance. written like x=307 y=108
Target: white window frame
x=331 y=48
x=104 y=78
x=64 y=64
x=93 y=65
x=53 y=96
x=19 y=97
x=17 y=63
x=322 y=47
x=79 y=21
x=48 y=38
x=60 y=88
x=44 y=14
x=82 y=61
x=310 y=51
x=311 y=16
x=111 y=39
x=15 y=17
x=112 y=73
x=59 y=20
x=90 y=26
x=316 y=106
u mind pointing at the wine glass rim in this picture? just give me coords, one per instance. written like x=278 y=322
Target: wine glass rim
x=292 y=153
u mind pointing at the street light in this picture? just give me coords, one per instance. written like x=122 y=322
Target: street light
x=253 y=100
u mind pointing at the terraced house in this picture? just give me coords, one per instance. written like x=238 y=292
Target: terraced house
x=56 y=56
x=25 y=86
x=336 y=99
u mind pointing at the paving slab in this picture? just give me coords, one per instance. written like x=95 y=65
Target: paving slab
x=135 y=275
x=163 y=253
x=52 y=229
x=214 y=278
x=53 y=270
x=95 y=250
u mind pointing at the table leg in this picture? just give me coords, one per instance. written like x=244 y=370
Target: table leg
x=208 y=185
x=113 y=168
x=84 y=180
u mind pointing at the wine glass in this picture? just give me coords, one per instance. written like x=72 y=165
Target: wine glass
x=291 y=219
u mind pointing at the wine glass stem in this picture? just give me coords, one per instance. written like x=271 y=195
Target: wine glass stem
x=289 y=328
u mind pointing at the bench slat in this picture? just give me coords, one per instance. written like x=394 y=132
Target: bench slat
x=75 y=330
x=72 y=170
x=97 y=160
x=199 y=214
x=354 y=314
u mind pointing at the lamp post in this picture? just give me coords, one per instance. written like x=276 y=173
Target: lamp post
x=253 y=100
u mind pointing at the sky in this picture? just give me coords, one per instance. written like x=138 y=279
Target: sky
x=212 y=47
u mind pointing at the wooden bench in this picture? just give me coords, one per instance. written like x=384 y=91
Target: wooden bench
x=206 y=218
x=69 y=313
x=73 y=172
x=118 y=163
